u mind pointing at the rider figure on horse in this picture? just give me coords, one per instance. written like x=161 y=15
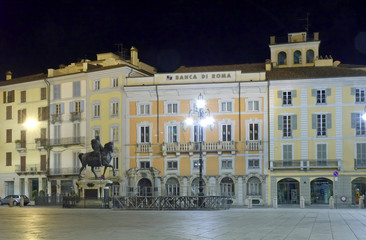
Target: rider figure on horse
x=98 y=148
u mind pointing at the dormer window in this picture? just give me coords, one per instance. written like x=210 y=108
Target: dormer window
x=282 y=58
x=297 y=57
x=310 y=56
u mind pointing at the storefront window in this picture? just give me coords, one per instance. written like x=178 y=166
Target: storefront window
x=358 y=189
x=288 y=191
x=321 y=191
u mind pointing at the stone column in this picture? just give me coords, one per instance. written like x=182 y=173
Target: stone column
x=240 y=191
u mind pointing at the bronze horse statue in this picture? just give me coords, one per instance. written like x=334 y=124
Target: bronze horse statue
x=93 y=160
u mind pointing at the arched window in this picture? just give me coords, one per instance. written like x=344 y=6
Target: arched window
x=227 y=187
x=254 y=187
x=172 y=187
x=282 y=58
x=195 y=186
x=297 y=57
x=309 y=56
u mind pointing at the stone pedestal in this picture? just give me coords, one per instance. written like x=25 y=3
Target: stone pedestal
x=250 y=203
x=93 y=188
x=302 y=202
x=331 y=202
x=361 y=203
x=274 y=202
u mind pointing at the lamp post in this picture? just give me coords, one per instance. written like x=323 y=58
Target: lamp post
x=204 y=120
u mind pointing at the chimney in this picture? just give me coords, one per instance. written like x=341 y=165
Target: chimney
x=134 y=56
x=268 y=65
x=8 y=75
x=272 y=40
x=316 y=36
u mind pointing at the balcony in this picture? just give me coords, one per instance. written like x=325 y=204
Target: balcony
x=144 y=148
x=67 y=141
x=194 y=147
x=55 y=118
x=64 y=171
x=255 y=145
x=20 y=145
x=30 y=169
x=305 y=164
x=360 y=163
x=41 y=143
x=75 y=116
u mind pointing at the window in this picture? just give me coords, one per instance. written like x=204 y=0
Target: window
x=144 y=134
x=172 y=134
x=43 y=93
x=172 y=108
x=253 y=105
x=226 y=106
x=75 y=162
x=43 y=160
x=321 y=154
x=114 y=134
x=9 y=96
x=57 y=162
x=144 y=164
x=282 y=58
x=287 y=123
x=43 y=113
x=196 y=164
x=321 y=122
x=96 y=132
x=9 y=135
x=58 y=109
x=253 y=131
x=321 y=95
x=76 y=106
x=114 y=82
x=96 y=85
x=286 y=98
x=358 y=124
x=57 y=134
x=22 y=115
x=253 y=163
x=144 y=109
x=172 y=165
x=287 y=154
x=114 y=108
x=9 y=114
x=254 y=187
x=96 y=110
x=56 y=91
x=359 y=94
x=115 y=162
x=76 y=131
x=226 y=132
x=361 y=154
x=23 y=96
x=297 y=57
x=8 y=159
x=172 y=187
x=76 y=89
x=226 y=164
x=310 y=56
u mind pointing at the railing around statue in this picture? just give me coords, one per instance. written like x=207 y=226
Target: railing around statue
x=171 y=202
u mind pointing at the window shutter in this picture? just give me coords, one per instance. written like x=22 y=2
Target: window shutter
x=71 y=106
x=294 y=122
x=328 y=92
x=329 y=120
x=4 y=97
x=313 y=92
x=353 y=91
x=354 y=117
x=62 y=108
x=294 y=93
x=39 y=114
x=76 y=89
x=19 y=114
x=313 y=121
x=279 y=94
x=280 y=122
x=82 y=106
x=52 y=109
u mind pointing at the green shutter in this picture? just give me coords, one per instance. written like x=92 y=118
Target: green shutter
x=279 y=94
x=294 y=122
x=353 y=91
x=294 y=93
x=313 y=92
x=328 y=92
x=313 y=121
x=280 y=122
x=329 y=120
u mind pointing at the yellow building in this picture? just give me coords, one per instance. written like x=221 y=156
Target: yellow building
x=317 y=137
x=163 y=151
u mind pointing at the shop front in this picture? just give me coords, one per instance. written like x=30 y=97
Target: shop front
x=288 y=191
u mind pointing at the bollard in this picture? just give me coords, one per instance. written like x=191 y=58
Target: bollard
x=331 y=202
x=302 y=202
x=275 y=203
x=11 y=202
x=250 y=203
x=21 y=201
x=361 y=204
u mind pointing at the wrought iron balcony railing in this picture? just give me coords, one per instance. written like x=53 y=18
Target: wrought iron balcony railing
x=306 y=164
x=30 y=169
x=191 y=147
x=75 y=116
x=67 y=141
x=64 y=171
x=56 y=118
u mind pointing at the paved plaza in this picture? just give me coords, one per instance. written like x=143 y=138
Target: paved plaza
x=33 y=223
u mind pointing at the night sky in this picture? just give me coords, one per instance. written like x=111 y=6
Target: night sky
x=35 y=36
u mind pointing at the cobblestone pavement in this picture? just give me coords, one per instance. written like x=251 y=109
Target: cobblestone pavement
x=33 y=223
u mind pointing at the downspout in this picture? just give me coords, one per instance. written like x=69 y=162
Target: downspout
x=48 y=128
x=157 y=115
x=268 y=125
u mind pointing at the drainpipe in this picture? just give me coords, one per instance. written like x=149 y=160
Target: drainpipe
x=48 y=148
x=239 y=114
x=157 y=115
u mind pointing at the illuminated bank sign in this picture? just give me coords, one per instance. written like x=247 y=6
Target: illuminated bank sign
x=211 y=76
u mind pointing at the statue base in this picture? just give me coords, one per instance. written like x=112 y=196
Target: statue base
x=94 y=189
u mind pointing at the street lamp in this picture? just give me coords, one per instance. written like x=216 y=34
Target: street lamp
x=204 y=120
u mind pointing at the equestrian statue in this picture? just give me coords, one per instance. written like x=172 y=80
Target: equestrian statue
x=101 y=156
